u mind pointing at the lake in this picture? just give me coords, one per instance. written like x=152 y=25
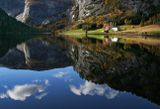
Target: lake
x=65 y=73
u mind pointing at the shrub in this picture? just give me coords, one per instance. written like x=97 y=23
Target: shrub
x=128 y=21
x=93 y=26
x=99 y=26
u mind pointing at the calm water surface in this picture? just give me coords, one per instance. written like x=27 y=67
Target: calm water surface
x=61 y=88
x=60 y=73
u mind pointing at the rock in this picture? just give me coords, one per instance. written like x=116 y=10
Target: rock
x=40 y=11
x=12 y=7
x=84 y=8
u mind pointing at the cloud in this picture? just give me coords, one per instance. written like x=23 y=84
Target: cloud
x=3 y=96
x=89 y=88
x=21 y=92
x=46 y=82
x=39 y=97
x=59 y=75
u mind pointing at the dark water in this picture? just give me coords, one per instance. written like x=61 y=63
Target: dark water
x=62 y=73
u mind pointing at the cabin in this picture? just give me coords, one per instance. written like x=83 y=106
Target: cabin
x=113 y=28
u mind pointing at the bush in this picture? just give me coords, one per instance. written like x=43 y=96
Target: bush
x=86 y=27
x=99 y=26
x=93 y=26
x=128 y=21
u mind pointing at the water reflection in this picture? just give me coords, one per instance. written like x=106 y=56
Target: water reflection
x=107 y=71
x=123 y=67
x=89 y=88
x=39 y=54
x=24 y=91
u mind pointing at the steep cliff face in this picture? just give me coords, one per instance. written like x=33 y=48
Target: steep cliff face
x=43 y=11
x=84 y=8
x=12 y=7
x=36 y=11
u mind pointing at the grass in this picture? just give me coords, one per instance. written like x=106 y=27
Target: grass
x=132 y=29
x=149 y=41
x=150 y=29
x=128 y=34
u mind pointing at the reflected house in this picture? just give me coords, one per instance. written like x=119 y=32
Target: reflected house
x=106 y=40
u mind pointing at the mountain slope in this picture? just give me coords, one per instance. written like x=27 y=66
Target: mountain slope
x=10 y=25
x=136 y=10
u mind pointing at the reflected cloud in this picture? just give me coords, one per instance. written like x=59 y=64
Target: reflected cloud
x=39 y=97
x=60 y=75
x=3 y=96
x=22 y=92
x=63 y=75
x=89 y=88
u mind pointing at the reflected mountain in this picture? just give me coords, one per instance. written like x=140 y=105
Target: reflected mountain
x=38 y=54
x=124 y=67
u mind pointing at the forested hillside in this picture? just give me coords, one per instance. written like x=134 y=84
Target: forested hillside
x=10 y=25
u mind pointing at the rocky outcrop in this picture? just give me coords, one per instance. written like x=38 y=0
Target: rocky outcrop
x=36 y=11
x=43 y=11
x=12 y=7
x=85 y=8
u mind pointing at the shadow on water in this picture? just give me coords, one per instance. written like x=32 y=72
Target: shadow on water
x=125 y=67
x=10 y=41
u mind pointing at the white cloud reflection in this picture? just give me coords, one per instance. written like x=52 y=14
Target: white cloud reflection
x=22 y=92
x=60 y=75
x=63 y=75
x=89 y=88
x=39 y=97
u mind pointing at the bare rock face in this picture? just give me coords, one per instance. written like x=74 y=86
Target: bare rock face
x=12 y=7
x=43 y=11
x=84 y=8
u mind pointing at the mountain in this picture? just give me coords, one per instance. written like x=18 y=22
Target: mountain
x=12 y=7
x=35 y=12
x=112 y=10
x=43 y=11
x=10 y=25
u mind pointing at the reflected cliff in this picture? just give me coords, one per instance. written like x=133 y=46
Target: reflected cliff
x=38 y=54
x=124 y=67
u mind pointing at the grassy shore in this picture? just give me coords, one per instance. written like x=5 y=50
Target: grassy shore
x=131 y=30
x=128 y=34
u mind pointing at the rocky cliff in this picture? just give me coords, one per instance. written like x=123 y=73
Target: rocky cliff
x=46 y=11
x=43 y=11
x=36 y=11
x=84 y=8
x=12 y=7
